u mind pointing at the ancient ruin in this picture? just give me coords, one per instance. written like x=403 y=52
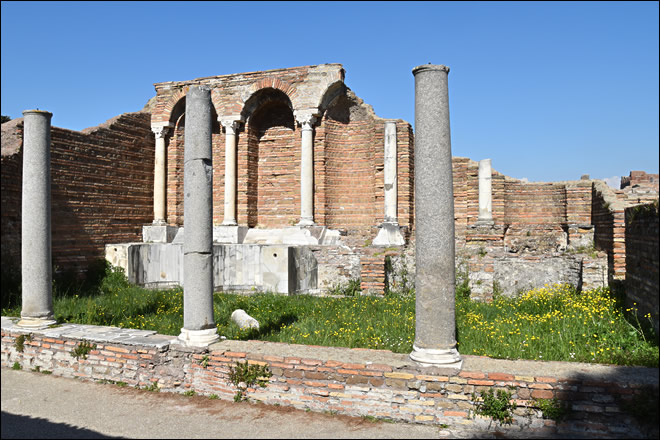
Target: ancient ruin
x=286 y=181
x=310 y=190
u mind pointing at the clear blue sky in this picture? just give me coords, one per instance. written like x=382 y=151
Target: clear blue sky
x=548 y=91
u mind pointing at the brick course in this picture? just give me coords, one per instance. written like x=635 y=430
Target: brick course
x=349 y=381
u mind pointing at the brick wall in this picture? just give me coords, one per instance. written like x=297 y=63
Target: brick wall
x=101 y=189
x=642 y=260
x=607 y=216
x=356 y=382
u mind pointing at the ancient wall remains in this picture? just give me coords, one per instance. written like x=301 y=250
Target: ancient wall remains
x=101 y=190
x=358 y=382
x=642 y=260
x=348 y=150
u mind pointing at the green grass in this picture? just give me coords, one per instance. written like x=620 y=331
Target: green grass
x=552 y=323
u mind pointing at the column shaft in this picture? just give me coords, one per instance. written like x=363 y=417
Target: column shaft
x=37 y=294
x=230 y=173
x=307 y=174
x=198 y=323
x=390 y=170
x=435 y=340
x=160 y=179
x=485 y=191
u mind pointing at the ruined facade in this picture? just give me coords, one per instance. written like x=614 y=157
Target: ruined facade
x=296 y=150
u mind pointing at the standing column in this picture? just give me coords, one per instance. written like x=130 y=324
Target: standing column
x=485 y=193
x=307 y=171
x=231 y=127
x=389 y=233
x=389 y=171
x=160 y=180
x=435 y=335
x=37 y=277
x=198 y=323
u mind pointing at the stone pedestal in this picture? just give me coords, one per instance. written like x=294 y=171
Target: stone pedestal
x=229 y=234
x=37 y=278
x=435 y=337
x=198 y=323
x=159 y=233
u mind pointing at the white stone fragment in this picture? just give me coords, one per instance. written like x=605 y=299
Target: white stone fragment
x=243 y=320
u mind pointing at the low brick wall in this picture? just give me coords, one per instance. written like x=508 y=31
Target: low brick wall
x=358 y=382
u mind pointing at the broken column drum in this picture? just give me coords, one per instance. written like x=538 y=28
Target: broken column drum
x=435 y=333
x=198 y=323
x=37 y=277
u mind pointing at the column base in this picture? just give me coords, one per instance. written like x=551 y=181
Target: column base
x=428 y=357
x=484 y=222
x=389 y=235
x=306 y=222
x=35 y=323
x=198 y=338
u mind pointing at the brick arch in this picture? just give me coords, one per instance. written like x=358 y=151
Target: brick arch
x=274 y=83
x=331 y=93
x=178 y=99
x=263 y=96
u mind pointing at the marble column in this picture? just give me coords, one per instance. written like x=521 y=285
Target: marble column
x=198 y=323
x=160 y=176
x=435 y=333
x=231 y=127
x=306 y=122
x=37 y=278
x=389 y=233
x=389 y=171
x=485 y=193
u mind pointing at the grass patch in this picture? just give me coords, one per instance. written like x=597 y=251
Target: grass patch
x=551 y=323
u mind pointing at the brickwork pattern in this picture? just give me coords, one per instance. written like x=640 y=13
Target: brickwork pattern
x=642 y=260
x=342 y=381
x=101 y=190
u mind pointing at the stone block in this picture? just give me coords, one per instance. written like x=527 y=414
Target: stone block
x=158 y=233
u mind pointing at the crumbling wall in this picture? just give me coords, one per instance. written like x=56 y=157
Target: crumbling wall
x=101 y=188
x=642 y=260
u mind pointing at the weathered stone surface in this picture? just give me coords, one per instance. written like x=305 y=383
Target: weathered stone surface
x=243 y=320
x=37 y=301
x=435 y=340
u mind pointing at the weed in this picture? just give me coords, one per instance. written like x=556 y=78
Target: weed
x=497 y=290
x=244 y=376
x=16 y=366
x=46 y=372
x=82 y=349
x=153 y=387
x=189 y=393
x=214 y=397
x=552 y=409
x=19 y=343
x=499 y=408
x=371 y=419
x=205 y=361
x=37 y=369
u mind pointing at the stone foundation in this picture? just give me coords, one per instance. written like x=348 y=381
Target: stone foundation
x=356 y=382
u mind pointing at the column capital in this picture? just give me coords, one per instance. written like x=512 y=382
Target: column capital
x=160 y=131
x=429 y=66
x=231 y=124
x=306 y=118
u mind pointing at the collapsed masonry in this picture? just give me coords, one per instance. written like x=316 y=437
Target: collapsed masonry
x=311 y=189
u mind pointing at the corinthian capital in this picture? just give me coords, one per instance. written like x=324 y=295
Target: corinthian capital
x=306 y=118
x=160 y=131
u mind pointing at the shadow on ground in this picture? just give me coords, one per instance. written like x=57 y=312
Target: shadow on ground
x=15 y=426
